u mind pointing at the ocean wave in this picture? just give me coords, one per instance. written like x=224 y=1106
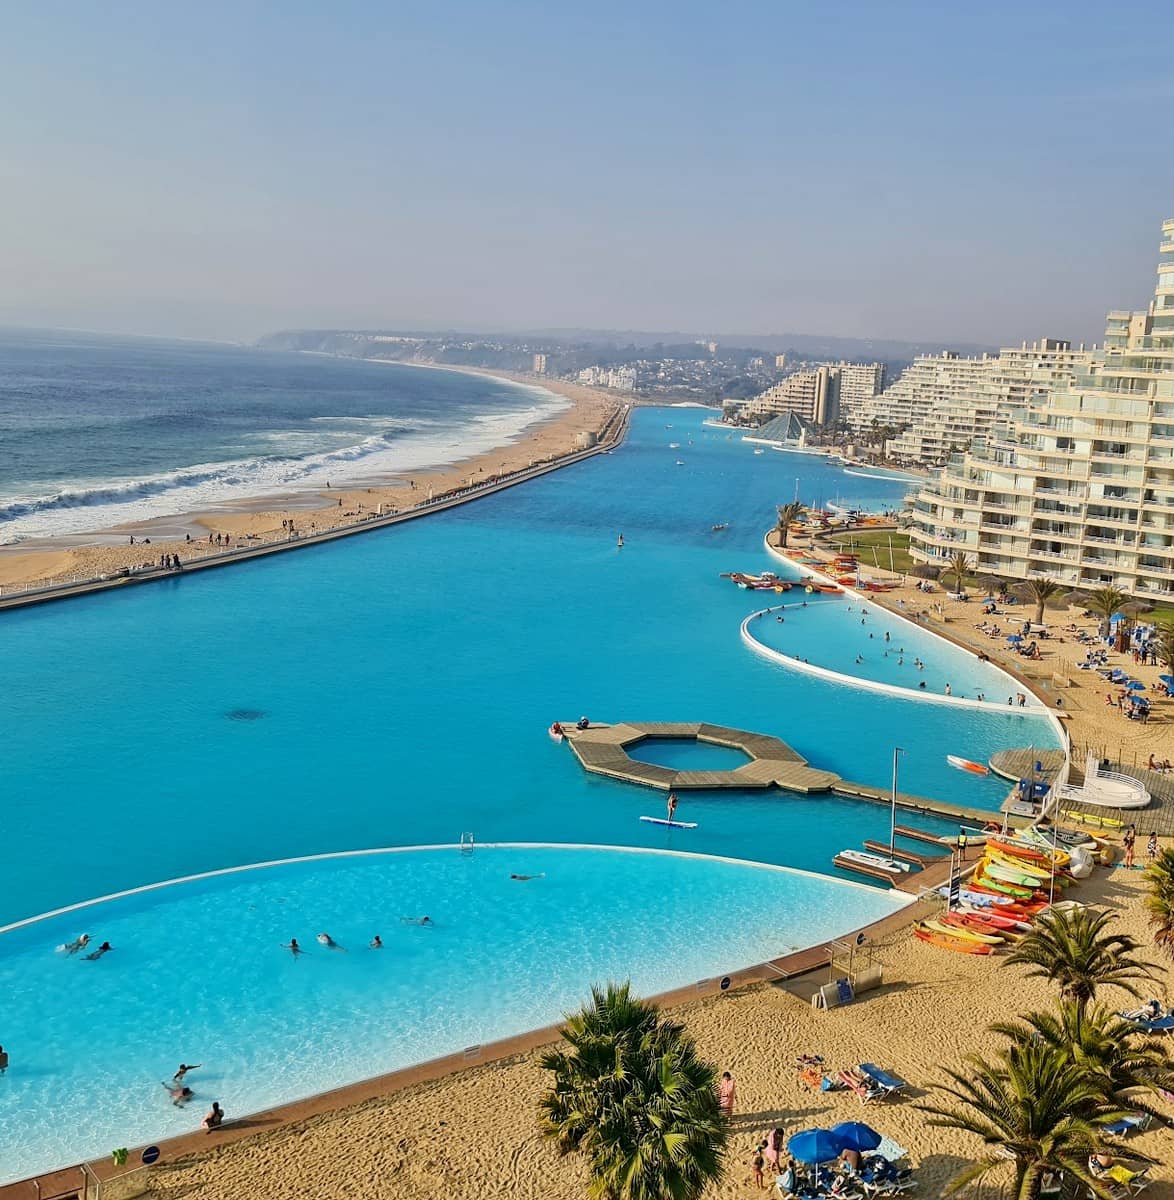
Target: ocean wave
x=88 y=505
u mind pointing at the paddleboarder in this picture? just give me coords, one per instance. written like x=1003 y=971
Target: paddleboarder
x=672 y=805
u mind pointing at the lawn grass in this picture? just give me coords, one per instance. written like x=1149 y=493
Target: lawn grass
x=873 y=548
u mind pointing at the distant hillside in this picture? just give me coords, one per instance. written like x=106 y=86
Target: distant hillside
x=514 y=348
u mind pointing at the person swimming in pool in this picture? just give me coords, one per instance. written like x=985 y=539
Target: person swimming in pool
x=184 y=1068
x=94 y=955
x=293 y=947
x=324 y=939
x=421 y=920
x=524 y=878
x=179 y=1094
x=376 y=943
x=77 y=944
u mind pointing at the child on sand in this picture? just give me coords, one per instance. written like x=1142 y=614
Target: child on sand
x=757 y=1163
x=726 y=1094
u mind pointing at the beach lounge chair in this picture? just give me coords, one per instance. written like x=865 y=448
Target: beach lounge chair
x=864 y=1088
x=889 y=1085
x=1123 y=1180
x=1161 y=1025
x=1134 y=1123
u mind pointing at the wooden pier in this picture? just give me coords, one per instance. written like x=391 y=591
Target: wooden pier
x=1020 y=764
x=913 y=856
x=603 y=750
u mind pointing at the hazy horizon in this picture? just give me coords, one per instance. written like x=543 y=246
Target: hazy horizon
x=906 y=173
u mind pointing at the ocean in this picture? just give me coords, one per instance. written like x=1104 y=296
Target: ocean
x=98 y=431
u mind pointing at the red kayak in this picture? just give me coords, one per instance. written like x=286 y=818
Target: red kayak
x=968 y=921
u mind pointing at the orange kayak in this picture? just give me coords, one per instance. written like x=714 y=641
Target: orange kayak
x=1018 y=851
x=943 y=942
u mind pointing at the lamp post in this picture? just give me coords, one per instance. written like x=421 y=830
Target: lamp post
x=893 y=806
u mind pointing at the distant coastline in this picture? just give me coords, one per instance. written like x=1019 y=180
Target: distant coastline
x=242 y=526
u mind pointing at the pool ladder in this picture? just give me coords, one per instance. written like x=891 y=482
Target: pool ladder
x=466 y=843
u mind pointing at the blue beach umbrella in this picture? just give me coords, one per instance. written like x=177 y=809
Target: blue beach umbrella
x=857 y=1136
x=814 y=1146
x=1015 y=637
x=1168 y=680
x=1135 y=685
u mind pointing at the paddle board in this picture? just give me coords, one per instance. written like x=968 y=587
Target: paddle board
x=670 y=824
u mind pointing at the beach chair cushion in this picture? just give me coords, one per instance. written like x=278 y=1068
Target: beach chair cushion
x=889 y=1082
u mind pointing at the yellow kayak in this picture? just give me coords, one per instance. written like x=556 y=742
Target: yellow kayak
x=967 y=935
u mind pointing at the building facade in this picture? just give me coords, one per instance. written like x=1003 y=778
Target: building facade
x=1080 y=486
x=979 y=400
x=821 y=395
x=539 y=364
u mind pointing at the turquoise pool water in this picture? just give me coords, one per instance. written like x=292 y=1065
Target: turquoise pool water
x=399 y=686
x=864 y=641
x=684 y=755
x=198 y=975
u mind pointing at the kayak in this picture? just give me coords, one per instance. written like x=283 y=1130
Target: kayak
x=975 y=924
x=948 y=942
x=969 y=935
x=965 y=764
x=996 y=920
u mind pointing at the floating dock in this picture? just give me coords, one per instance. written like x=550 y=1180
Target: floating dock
x=603 y=750
x=922 y=860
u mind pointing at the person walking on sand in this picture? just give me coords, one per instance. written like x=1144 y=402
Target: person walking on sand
x=757 y=1163
x=1151 y=848
x=727 y=1093
x=672 y=805
x=1128 y=841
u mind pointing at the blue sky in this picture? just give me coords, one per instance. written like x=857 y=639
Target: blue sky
x=987 y=172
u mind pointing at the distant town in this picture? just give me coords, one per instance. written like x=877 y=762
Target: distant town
x=1045 y=459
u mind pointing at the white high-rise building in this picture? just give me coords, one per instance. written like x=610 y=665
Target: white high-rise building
x=1080 y=487
x=995 y=394
x=929 y=383
x=821 y=395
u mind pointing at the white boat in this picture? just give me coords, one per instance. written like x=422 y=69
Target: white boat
x=876 y=861
x=760 y=451
x=680 y=462
x=674 y=445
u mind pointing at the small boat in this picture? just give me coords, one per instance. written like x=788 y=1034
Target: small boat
x=556 y=732
x=876 y=861
x=674 y=445
x=946 y=942
x=760 y=451
x=680 y=462
x=966 y=764
x=719 y=528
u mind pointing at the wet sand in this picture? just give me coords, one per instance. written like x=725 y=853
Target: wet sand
x=251 y=522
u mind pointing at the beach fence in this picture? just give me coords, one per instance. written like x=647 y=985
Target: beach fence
x=126 y=1185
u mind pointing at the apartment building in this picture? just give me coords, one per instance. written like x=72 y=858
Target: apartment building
x=976 y=401
x=928 y=384
x=821 y=395
x=1080 y=486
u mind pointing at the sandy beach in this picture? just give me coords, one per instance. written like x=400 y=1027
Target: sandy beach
x=475 y=1134
x=1091 y=723
x=270 y=519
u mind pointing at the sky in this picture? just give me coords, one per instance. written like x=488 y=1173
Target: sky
x=985 y=173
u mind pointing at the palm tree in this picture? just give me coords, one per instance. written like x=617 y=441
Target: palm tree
x=1110 y=1051
x=1071 y=948
x=1105 y=602
x=1037 y=1108
x=961 y=565
x=1038 y=592
x=1159 y=902
x=788 y=514
x=1165 y=640
x=632 y=1095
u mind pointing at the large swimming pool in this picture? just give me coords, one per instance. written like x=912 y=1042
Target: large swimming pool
x=198 y=974
x=395 y=688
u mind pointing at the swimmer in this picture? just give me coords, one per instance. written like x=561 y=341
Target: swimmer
x=428 y=920
x=324 y=939
x=376 y=943
x=215 y=1118
x=77 y=944
x=293 y=947
x=179 y=1094
x=524 y=878
x=94 y=955
x=183 y=1070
